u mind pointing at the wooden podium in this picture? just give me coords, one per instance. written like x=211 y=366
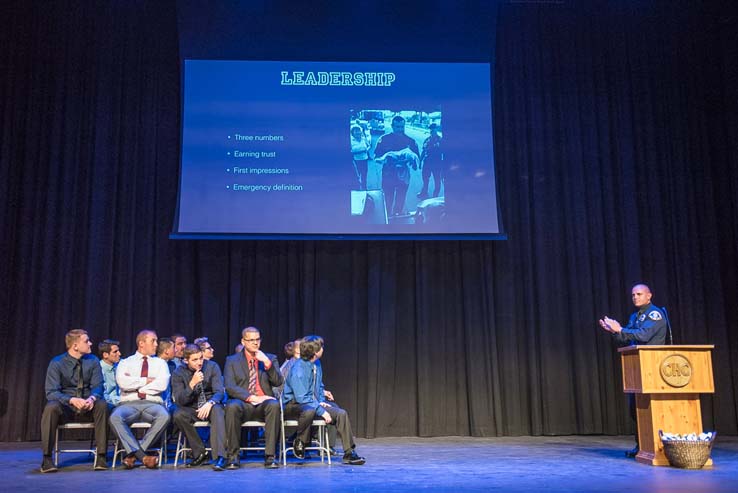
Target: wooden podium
x=666 y=381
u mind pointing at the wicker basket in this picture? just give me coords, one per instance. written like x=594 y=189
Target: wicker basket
x=687 y=454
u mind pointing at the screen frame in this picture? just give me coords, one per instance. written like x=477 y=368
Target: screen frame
x=501 y=235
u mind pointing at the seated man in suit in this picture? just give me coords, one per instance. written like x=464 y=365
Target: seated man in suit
x=142 y=378
x=250 y=377
x=197 y=387
x=74 y=390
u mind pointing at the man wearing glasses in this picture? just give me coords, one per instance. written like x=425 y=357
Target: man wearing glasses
x=208 y=351
x=250 y=377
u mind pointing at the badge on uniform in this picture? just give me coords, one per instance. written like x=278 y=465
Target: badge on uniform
x=655 y=315
x=642 y=317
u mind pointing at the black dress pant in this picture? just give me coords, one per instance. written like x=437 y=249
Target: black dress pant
x=342 y=424
x=56 y=413
x=238 y=411
x=304 y=414
x=184 y=417
x=633 y=414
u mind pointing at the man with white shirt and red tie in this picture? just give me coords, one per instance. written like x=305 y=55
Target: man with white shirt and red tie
x=142 y=379
x=250 y=377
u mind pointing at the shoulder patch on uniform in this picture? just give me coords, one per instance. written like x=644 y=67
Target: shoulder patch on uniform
x=655 y=315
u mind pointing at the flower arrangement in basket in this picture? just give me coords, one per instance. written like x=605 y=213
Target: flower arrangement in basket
x=687 y=451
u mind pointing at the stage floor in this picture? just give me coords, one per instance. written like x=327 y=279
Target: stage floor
x=530 y=464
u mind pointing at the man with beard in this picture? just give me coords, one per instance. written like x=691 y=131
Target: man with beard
x=197 y=387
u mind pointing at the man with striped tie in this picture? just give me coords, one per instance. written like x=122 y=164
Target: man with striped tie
x=250 y=377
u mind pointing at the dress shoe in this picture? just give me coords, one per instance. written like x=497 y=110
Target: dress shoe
x=101 y=464
x=151 y=461
x=353 y=459
x=233 y=464
x=270 y=463
x=298 y=448
x=632 y=452
x=219 y=464
x=47 y=465
x=199 y=460
x=129 y=461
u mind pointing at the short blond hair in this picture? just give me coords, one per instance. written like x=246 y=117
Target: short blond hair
x=73 y=336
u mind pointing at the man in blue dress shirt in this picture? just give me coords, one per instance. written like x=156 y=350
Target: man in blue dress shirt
x=109 y=351
x=304 y=391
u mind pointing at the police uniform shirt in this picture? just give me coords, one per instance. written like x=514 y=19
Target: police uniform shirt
x=647 y=326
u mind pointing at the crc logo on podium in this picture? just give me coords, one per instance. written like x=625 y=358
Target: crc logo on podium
x=676 y=370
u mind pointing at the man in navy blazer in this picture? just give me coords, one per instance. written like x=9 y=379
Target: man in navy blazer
x=250 y=377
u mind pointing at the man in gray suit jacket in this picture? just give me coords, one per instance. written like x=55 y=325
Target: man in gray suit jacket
x=250 y=377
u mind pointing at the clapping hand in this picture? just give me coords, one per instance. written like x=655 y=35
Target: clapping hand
x=610 y=325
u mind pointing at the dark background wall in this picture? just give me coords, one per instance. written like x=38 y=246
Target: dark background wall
x=615 y=131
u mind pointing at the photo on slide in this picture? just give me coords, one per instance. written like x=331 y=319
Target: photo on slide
x=398 y=164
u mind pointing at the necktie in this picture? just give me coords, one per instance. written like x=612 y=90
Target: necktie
x=252 y=377
x=80 y=380
x=144 y=374
x=201 y=400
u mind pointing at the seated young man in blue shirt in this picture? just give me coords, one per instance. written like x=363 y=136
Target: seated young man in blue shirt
x=303 y=398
